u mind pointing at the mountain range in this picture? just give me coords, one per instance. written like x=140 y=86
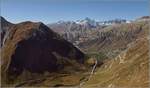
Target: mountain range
x=84 y=53
x=73 y=30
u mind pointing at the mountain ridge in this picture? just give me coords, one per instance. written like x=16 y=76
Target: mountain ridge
x=34 y=48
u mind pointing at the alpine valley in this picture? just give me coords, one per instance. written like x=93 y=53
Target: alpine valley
x=83 y=53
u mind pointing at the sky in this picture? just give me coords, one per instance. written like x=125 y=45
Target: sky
x=49 y=11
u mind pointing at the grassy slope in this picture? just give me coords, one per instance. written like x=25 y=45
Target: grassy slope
x=130 y=69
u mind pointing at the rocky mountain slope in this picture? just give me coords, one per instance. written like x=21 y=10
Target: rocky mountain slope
x=129 y=69
x=76 y=31
x=72 y=31
x=114 y=39
x=31 y=49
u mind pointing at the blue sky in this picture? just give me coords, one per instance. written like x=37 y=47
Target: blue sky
x=49 y=11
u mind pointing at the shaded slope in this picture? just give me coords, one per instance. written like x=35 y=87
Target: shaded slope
x=34 y=48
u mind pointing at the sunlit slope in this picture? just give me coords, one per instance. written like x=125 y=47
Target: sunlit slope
x=114 y=39
x=129 y=69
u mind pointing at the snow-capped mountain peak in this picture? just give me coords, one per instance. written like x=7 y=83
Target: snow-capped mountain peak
x=87 y=21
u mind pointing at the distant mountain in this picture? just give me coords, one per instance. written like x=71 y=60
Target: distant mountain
x=70 y=30
x=93 y=23
x=74 y=31
x=31 y=49
x=113 y=22
x=113 y=39
x=87 y=22
x=144 y=18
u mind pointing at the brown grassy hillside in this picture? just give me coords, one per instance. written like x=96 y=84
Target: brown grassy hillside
x=129 y=69
x=32 y=49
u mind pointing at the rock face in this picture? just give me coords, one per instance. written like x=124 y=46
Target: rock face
x=36 y=48
x=80 y=30
x=73 y=31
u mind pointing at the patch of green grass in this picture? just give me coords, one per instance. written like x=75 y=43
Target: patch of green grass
x=99 y=56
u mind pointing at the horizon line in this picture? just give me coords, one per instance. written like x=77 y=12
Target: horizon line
x=50 y=22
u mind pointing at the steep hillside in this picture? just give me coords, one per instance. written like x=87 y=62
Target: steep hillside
x=129 y=69
x=114 y=39
x=5 y=26
x=31 y=49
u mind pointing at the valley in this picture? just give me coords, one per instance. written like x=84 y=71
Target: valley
x=83 y=54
